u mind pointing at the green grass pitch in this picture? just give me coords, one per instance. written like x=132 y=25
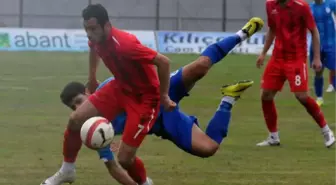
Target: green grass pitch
x=33 y=120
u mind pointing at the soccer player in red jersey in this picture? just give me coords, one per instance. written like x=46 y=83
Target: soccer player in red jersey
x=136 y=90
x=288 y=21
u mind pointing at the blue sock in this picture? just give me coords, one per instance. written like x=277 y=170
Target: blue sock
x=217 y=51
x=219 y=124
x=318 y=85
x=333 y=81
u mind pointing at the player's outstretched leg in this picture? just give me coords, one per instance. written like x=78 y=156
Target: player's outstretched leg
x=218 y=126
x=216 y=52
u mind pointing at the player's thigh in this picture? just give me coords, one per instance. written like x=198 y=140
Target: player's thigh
x=195 y=71
x=106 y=100
x=81 y=114
x=273 y=77
x=141 y=116
x=297 y=76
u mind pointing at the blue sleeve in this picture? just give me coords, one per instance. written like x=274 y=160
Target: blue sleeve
x=106 y=154
x=105 y=82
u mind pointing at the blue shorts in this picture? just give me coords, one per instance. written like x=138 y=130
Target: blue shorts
x=175 y=126
x=328 y=58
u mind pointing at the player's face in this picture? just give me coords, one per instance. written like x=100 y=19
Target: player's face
x=78 y=100
x=94 y=31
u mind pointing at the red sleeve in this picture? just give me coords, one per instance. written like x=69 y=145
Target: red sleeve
x=270 y=21
x=140 y=53
x=309 y=19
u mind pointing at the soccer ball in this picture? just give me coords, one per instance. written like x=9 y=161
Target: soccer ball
x=96 y=133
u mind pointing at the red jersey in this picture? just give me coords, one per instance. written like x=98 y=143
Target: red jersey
x=129 y=61
x=290 y=23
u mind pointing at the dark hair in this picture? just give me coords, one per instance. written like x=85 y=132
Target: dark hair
x=70 y=91
x=96 y=11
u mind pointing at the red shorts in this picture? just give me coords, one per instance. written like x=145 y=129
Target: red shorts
x=278 y=71
x=141 y=111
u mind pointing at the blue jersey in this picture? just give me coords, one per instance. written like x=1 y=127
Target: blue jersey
x=324 y=15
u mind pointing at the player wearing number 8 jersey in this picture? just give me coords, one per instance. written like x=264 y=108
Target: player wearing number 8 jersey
x=288 y=21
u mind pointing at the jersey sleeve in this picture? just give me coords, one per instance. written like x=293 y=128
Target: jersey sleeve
x=139 y=53
x=270 y=21
x=309 y=18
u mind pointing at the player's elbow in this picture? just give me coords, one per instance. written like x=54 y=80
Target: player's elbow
x=161 y=61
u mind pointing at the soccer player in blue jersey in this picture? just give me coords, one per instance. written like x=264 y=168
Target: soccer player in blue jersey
x=324 y=12
x=176 y=126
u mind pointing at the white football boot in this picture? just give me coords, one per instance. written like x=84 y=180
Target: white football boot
x=270 y=141
x=149 y=181
x=330 y=88
x=60 y=178
x=329 y=138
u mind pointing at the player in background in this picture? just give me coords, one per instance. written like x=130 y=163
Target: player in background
x=324 y=12
x=137 y=90
x=174 y=125
x=288 y=62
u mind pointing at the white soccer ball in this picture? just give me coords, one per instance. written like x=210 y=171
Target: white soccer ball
x=96 y=133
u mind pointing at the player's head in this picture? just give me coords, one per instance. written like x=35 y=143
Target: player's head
x=74 y=94
x=96 y=22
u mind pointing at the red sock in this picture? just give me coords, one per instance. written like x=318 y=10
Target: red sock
x=71 y=145
x=270 y=115
x=137 y=171
x=314 y=110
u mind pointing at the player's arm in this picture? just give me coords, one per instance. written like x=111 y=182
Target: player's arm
x=93 y=65
x=114 y=169
x=143 y=54
x=163 y=64
x=118 y=173
x=316 y=43
x=311 y=26
x=270 y=35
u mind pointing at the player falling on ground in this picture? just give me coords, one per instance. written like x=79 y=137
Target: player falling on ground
x=288 y=21
x=323 y=12
x=136 y=89
x=174 y=125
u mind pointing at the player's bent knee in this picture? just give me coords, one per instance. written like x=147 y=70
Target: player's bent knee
x=75 y=122
x=125 y=162
x=301 y=96
x=207 y=151
x=267 y=95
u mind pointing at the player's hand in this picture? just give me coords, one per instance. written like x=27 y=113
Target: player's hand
x=260 y=61
x=317 y=65
x=167 y=103
x=115 y=146
x=92 y=85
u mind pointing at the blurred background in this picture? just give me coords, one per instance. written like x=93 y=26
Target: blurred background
x=195 y=15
